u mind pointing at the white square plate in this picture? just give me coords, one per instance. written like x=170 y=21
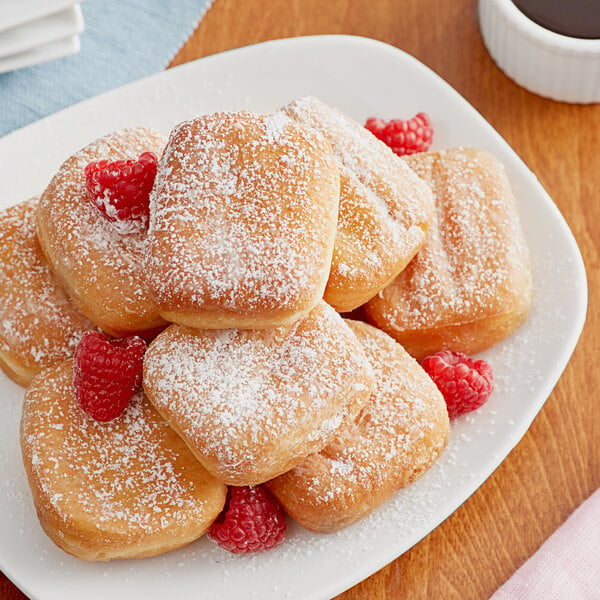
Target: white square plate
x=363 y=78
x=41 y=31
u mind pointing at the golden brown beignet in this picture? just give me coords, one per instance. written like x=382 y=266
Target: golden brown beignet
x=125 y=489
x=471 y=285
x=243 y=218
x=98 y=266
x=385 y=209
x=39 y=326
x=396 y=437
x=251 y=404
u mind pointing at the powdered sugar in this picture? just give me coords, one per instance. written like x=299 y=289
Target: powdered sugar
x=251 y=400
x=384 y=208
x=86 y=250
x=130 y=476
x=405 y=199
x=395 y=438
x=475 y=262
x=243 y=216
x=38 y=324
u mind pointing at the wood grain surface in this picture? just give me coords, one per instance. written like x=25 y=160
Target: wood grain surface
x=557 y=464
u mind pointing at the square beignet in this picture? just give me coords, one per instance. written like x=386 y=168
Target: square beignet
x=97 y=264
x=471 y=285
x=251 y=404
x=385 y=209
x=129 y=488
x=39 y=325
x=242 y=222
x=396 y=437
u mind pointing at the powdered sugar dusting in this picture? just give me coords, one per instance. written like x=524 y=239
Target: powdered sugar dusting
x=395 y=438
x=275 y=125
x=128 y=478
x=86 y=250
x=254 y=400
x=243 y=215
x=475 y=261
x=384 y=208
x=39 y=326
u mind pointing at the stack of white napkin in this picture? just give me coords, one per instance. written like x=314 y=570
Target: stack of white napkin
x=35 y=31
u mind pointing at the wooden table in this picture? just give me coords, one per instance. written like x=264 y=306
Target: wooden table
x=557 y=464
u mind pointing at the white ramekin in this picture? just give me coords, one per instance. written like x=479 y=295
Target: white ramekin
x=546 y=63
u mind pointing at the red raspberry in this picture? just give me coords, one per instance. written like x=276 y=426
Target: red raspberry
x=121 y=190
x=107 y=373
x=403 y=137
x=465 y=383
x=252 y=520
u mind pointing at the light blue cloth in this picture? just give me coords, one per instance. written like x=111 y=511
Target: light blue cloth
x=124 y=40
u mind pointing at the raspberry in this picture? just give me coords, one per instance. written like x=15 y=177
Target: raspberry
x=252 y=520
x=120 y=190
x=403 y=137
x=465 y=383
x=107 y=373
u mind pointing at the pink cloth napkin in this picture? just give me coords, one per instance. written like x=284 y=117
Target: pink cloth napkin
x=567 y=565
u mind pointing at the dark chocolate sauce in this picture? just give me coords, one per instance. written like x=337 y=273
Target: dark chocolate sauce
x=575 y=18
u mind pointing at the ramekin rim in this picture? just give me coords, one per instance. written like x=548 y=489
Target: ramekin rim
x=544 y=36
